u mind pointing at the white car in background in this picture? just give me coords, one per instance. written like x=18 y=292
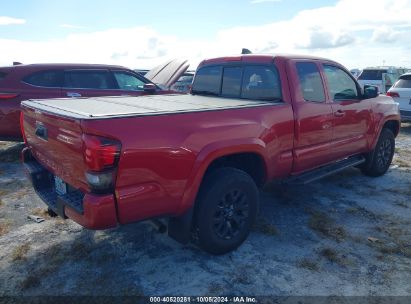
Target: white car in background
x=381 y=77
x=401 y=92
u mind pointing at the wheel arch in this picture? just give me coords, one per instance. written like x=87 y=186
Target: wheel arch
x=248 y=156
x=391 y=123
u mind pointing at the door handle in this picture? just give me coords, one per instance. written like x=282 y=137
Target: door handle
x=339 y=113
x=73 y=94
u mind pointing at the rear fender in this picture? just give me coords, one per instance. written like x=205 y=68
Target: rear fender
x=212 y=152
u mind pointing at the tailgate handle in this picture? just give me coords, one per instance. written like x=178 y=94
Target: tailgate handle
x=41 y=131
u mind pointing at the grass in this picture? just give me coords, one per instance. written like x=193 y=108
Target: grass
x=29 y=282
x=40 y=212
x=309 y=264
x=402 y=163
x=265 y=227
x=330 y=254
x=361 y=211
x=402 y=204
x=52 y=259
x=242 y=277
x=401 y=191
x=80 y=249
x=20 y=252
x=326 y=226
x=215 y=289
x=4 y=227
x=397 y=242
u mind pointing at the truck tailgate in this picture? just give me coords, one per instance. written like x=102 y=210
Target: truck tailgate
x=56 y=142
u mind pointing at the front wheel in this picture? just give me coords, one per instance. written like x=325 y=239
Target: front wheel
x=379 y=160
x=226 y=210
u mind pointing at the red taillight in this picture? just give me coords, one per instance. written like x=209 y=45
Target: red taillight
x=8 y=95
x=22 y=127
x=393 y=94
x=100 y=153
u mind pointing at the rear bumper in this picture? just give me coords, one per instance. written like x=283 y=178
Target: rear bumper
x=89 y=210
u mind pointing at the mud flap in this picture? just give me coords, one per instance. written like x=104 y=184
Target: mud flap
x=60 y=208
x=179 y=228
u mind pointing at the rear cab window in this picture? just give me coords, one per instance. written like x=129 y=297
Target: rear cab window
x=255 y=82
x=47 y=79
x=88 y=79
x=208 y=81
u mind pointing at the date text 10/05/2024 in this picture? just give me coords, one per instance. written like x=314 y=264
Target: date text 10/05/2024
x=203 y=300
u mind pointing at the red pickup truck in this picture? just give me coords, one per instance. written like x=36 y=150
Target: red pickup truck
x=198 y=159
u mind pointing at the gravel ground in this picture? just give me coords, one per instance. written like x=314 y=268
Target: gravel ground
x=345 y=235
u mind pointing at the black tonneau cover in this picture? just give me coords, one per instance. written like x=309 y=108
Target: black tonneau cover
x=118 y=106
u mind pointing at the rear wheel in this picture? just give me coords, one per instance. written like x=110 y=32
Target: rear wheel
x=227 y=208
x=379 y=160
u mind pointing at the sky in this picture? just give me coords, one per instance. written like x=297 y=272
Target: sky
x=142 y=34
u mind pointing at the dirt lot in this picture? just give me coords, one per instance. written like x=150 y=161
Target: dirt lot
x=345 y=235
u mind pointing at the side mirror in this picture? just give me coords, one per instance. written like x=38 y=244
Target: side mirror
x=370 y=91
x=149 y=87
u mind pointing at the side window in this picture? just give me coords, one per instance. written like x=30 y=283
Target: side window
x=232 y=82
x=50 y=79
x=2 y=75
x=127 y=81
x=404 y=82
x=260 y=82
x=208 y=81
x=83 y=79
x=340 y=85
x=311 y=84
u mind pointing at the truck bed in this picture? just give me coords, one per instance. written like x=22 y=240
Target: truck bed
x=119 y=106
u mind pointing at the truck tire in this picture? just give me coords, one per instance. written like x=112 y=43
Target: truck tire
x=226 y=209
x=379 y=160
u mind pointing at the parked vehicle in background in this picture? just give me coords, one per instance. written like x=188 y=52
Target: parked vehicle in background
x=355 y=72
x=141 y=72
x=198 y=159
x=381 y=77
x=167 y=73
x=401 y=92
x=31 y=81
x=183 y=84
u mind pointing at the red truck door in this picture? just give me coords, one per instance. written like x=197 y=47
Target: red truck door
x=313 y=116
x=352 y=115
